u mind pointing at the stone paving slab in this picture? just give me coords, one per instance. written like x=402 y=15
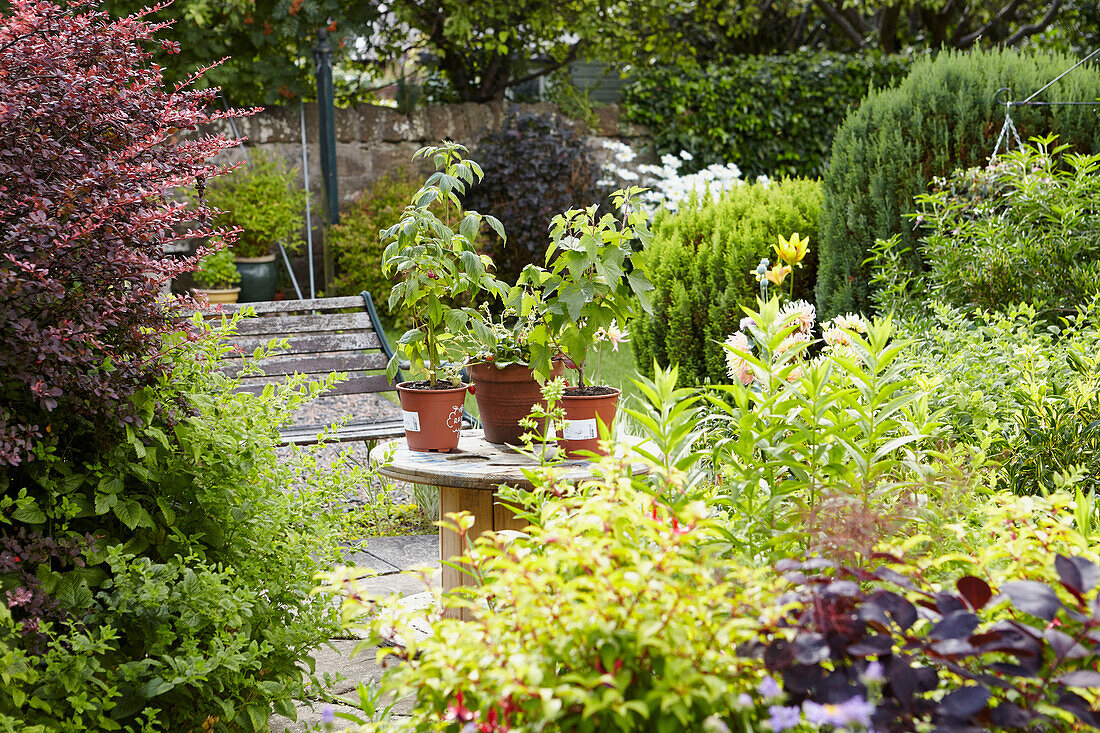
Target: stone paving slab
x=399 y=555
x=404 y=553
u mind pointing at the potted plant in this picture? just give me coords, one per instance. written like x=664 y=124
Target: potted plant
x=587 y=289
x=265 y=202
x=216 y=277
x=438 y=266
x=499 y=365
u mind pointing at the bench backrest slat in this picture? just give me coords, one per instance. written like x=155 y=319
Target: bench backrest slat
x=312 y=364
x=323 y=335
x=359 y=384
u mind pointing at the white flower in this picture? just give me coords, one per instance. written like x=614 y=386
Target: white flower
x=799 y=312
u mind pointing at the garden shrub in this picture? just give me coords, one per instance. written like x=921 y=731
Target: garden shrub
x=88 y=159
x=171 y=616
x=356 y=242
x=1023 y=229
x=943 y=116
x=1022 y=385
x=536 y=166
x=142 y=505
x=853 y=648
x=613 y=614
x=701 y=261
x=771 y=115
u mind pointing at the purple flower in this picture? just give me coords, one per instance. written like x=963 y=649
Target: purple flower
x=769 y=688
x=744 y=700
x=746 y=323
x=782 y=718
x=873 y=673
x=328 y=715
x=857 y=710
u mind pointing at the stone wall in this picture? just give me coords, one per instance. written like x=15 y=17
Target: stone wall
x=372 y=141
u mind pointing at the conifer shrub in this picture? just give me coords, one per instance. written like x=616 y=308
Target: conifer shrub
x=944 y=116
x=702 y=261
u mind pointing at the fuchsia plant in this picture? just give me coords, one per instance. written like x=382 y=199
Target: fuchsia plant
x=90 y=153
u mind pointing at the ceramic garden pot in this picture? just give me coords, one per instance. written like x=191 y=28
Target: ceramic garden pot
x=583 y=413
x=504 y=397
x=222 y=295
x=259 y=278
x=432 y=417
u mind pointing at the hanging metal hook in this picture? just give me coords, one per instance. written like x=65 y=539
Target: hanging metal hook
x=1007 y=94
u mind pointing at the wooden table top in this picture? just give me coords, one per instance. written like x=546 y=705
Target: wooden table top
x=477 y=464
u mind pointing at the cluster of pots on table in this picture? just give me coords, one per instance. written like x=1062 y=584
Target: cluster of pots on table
x=505 y=395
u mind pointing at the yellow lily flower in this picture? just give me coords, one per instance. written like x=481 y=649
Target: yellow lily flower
x=792 y=250
x=778 y=274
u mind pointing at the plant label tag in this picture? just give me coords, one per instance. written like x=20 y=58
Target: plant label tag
x=411 y=420
x=579 y=429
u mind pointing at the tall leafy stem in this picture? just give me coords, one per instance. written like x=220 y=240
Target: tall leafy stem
x=439 y=266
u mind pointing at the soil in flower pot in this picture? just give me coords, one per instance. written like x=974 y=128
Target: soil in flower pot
x=432 y=414
x=585 y=408
x=505 y=395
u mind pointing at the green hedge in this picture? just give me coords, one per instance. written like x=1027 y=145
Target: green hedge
x=771 y=115
x=943 y=116
x=701 y=261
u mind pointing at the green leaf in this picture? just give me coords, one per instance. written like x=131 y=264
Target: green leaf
x=29 y=513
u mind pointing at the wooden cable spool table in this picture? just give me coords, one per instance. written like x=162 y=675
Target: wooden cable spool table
x=468 y=479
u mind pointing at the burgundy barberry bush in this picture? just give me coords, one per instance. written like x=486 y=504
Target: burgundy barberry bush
x=90 y=154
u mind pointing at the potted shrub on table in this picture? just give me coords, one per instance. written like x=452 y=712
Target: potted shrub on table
x=264 y=201
x=216 y=277
x=499 y=365
x=588 y=289
x=438 y=267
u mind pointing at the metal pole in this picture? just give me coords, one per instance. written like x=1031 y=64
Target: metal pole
x=309 y=218
x=326 y=119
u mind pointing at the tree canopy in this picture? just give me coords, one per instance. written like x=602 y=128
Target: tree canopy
x=480 y=49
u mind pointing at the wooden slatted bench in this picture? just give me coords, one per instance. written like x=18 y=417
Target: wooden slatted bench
x=324 y=335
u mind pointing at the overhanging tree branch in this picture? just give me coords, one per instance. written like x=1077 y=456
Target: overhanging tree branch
x=837 y=17
x=1029 y=30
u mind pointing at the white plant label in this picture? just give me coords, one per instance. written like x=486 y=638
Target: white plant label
x=579 y=429
x=412 y=421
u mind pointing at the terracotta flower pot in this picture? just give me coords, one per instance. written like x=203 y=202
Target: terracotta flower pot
x=504 y=397
x=583 y=413
x=432 y=417
x=219 y=295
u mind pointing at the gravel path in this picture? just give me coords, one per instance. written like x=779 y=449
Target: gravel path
x=330 y=409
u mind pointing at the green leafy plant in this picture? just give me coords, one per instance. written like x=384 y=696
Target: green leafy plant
x=1022 y=229
x=771 y=115
x=169 y=616
x=590 y=286
x=356 y=242
x=217 y=271
x=438 y=266
x=833 y=452
x=702 y=261
x=1022 y=386
x=944 y=115
x=264 y=199
x=610 y=613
